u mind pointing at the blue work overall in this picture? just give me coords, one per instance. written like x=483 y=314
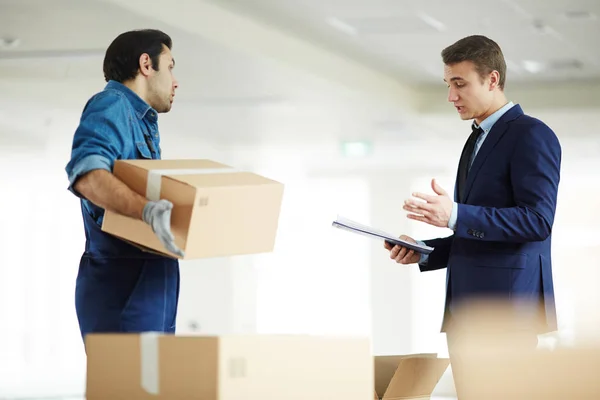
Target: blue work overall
x=119 y=288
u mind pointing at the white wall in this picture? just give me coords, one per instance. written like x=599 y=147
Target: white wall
x=319 y=280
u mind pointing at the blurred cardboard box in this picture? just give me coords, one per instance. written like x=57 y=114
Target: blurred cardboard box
x=501 y=372
x=408 y=377
x=252 y=367
x=218 y=210
x=497 y=357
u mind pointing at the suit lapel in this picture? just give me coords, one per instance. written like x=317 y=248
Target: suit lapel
x=495 y=134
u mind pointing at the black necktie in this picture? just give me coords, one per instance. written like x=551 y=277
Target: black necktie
x=463 y=165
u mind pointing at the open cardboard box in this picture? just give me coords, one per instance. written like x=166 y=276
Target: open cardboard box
x=228 y=367
x=408 y=377
x=218 y=210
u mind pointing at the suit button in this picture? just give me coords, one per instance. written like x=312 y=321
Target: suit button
x=481 y=235
x=470 y=232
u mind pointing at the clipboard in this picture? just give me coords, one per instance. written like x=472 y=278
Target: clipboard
x=355 y=227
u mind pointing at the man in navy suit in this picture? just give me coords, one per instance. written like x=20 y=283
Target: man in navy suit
x=504 y=201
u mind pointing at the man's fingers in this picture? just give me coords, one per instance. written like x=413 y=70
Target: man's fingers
x=426 y=209
x=418 y=218
x=397 y=251
x=394 y=252
x=401 y=254
x=427 y=197
x=407 y=258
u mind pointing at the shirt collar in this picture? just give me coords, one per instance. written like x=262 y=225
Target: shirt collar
x=489 y=122
x=139 y=105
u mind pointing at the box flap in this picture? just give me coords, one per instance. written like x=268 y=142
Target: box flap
x=199 y=173
x=175 y=164
x=221 y=178
x=409 y=376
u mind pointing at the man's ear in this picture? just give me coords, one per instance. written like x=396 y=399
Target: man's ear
x=494 y=80
x=145 y=63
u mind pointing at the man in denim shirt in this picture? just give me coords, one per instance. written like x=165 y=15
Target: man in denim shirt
x=120 y=288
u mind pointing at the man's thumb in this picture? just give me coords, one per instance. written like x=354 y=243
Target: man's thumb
x=437 y=188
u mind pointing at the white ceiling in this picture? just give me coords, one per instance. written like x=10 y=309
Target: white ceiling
x=224 y=93
x=234 y=85
x=406 y=37
x=66 y=40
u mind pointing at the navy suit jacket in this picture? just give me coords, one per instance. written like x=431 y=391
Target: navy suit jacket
x=501 y=247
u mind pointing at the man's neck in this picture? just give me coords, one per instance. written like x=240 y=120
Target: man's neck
x=500 y=102
x=136 y=88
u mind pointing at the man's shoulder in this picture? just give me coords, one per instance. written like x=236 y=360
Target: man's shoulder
x=533 y=130
x=106 y=100
x=528 y=123
x=523 y=120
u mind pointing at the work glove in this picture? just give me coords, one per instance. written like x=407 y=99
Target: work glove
x=157 y=214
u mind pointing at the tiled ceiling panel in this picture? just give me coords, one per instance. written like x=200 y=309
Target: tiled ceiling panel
x=560 y=37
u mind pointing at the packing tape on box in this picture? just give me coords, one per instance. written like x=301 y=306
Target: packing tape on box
x=149 y=362
x=155 y=177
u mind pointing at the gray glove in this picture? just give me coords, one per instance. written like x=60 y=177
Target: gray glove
x=157 y=214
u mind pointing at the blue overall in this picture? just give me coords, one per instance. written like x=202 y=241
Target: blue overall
x=119 y=287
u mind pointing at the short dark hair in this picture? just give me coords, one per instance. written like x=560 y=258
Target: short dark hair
x=121 y=61
x=483 y=52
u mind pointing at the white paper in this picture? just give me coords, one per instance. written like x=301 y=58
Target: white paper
x=353 y=226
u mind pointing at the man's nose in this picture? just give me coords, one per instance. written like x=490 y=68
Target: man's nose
x=452 y=95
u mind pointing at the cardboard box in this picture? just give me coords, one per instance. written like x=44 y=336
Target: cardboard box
x=218 y=210
x=501 y=372
x=253 y=367
x=408 y=377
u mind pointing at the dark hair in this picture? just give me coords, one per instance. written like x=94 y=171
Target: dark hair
x=121 y=61
x=483 y=52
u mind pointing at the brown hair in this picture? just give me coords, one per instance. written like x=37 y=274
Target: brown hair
x=483 y=52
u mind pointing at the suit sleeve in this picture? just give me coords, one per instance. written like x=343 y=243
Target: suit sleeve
x=438 y=258
x=535 y=174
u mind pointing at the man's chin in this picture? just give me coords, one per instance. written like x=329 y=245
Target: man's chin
x=165 y=109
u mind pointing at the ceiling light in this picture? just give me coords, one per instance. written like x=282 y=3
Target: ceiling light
x=512 y=66
x=342 y=26
x=432 y=22
x=356 y=148
x=533 y=67
x=579 y=15
x=541 y=28
x=9 y=42
x=565 y=64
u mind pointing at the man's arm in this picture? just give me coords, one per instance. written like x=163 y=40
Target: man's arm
x=535 y=174
x=100 y=140
x=108 y=192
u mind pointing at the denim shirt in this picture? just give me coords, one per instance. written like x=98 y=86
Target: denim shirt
x=115 y=124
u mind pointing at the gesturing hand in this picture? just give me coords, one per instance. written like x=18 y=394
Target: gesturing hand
x=157 y=214
x=435 y=210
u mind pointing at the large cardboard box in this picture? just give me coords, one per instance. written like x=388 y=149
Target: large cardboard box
x=252 y=367
x=408 y=377
x=218 y=210
x=503 y=372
